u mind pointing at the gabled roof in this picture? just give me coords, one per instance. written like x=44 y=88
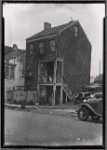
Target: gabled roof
x=8 y=50
x=14 y=54
x=51 y=31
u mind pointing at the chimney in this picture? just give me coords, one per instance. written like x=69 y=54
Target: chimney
x=47 y=25
x=71 y=21
x=15 y=47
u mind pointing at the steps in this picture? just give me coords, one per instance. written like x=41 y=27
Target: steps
x=68 y=91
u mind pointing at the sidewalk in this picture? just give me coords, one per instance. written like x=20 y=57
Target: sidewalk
x=63 y=109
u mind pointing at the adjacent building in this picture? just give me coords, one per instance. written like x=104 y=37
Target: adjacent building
x=14 y=68
x=57 y=62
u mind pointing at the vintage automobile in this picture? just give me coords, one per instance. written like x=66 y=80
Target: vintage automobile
x=91 y=107
x=88 y=91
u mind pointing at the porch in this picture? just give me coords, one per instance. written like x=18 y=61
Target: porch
x=50 y=86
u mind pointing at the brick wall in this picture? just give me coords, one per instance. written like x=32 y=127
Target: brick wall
x=77 y=57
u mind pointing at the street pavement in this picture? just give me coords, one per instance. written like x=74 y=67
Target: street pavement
x=30 y=127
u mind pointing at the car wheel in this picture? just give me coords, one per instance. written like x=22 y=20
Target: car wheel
x=83 y=114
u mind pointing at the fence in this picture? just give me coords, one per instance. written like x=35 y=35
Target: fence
x=20 y=96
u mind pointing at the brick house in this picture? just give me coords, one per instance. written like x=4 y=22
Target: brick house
x=57 y=62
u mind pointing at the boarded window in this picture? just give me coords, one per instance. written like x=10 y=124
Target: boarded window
x=41 y=48
x=52 y=45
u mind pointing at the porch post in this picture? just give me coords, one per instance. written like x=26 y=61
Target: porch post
x=53 y=97
x=37 y=93
x=38 y=82
x=61 y=95
x=54 y=84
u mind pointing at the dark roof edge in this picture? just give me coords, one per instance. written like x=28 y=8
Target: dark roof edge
x=8 y=56
x=29 y=38
x=43 y=37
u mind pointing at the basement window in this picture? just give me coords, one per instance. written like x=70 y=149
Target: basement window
x=41 y=48
x=52 y=45
x=31 y=49
x=76 y=32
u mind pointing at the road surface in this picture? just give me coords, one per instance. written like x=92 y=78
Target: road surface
x=32 y=128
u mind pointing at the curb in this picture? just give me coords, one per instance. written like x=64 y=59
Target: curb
x=44 y=110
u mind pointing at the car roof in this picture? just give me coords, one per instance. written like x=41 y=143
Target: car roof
x=92 y=86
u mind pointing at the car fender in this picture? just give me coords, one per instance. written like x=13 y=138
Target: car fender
x=90 y=108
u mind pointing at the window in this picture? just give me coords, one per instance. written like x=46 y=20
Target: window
x=7 y=72
x=52 y=45
x=76 y=31
x=41 y=48
x=31 y=49
x=12 y=72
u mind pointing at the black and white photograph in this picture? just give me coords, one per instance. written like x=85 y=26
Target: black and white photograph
x=53 y=74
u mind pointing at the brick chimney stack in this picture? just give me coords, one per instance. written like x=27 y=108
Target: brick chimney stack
x=47 y=25
x=15 y=47
x=71 y=21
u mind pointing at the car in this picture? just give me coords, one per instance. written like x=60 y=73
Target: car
x=92 y=107
x=81 y=96
x=87 y=91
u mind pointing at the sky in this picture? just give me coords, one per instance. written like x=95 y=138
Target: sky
x=24 y=20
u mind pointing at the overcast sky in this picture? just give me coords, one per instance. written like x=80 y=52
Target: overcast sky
x=24 y=20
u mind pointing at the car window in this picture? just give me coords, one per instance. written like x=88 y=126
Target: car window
x=92 y=89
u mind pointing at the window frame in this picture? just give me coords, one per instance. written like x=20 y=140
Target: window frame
x=31 y=48
x=41 y=45
x=76 y=28
x=12 y=76
x=7 y=76
x=52 y=45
